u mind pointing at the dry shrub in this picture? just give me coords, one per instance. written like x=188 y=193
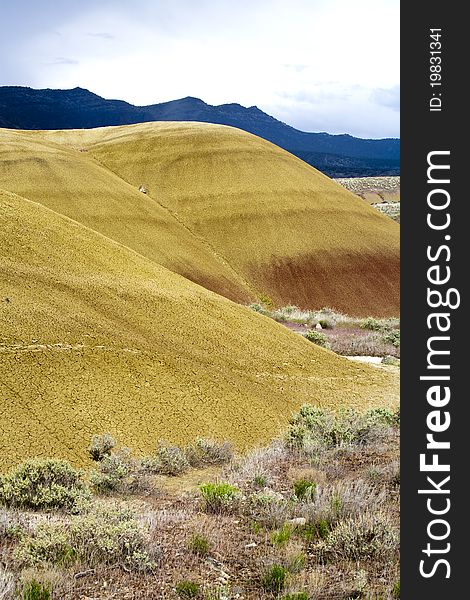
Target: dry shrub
x=106 y=535
x=101 y=446
x=44 y=484
x=168 y=460
x=358 y=343
x=341 y=500
x=364 y=537
x=205 y=452
x=263 y=464
x=268 y=508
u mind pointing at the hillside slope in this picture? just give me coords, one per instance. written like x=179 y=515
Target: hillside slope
x=95 y=338
x=260 y=221
x=70 y=182
x=292 y=233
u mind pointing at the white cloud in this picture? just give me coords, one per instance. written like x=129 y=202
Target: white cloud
x=318 y=64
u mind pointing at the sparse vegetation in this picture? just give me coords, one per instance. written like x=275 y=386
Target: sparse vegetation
x=383 y=193
x=370 y=537
x=314 y=513
x=342 y=334
x=104 y=536
x=7 y=583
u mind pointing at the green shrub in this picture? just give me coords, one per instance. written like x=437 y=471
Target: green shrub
x=383 y=416
x=368 y=537
x=260 y=481
x=371 y=324
x=168 y=460
x=198 y=544
x=101 y=446
x=274 y=579
x=323 y=528
x=33 y=590
x=396 y=590
x=317 y=337
x=259 y=308
x=317 y=529
x=266 y=301
x=187 y=589
x=208 y=452
x=218 y=497
x=296 y=596
x=281 y=537
x=44 y=483
x=304 y=489
x=314 y=429
x=392 y=337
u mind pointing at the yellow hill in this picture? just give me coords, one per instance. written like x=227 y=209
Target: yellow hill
x=95 y=338
x=72 y=183
x=272 y=225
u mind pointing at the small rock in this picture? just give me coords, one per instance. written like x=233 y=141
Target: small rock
x=251 y=545
x=297 y=522
x=318 y=326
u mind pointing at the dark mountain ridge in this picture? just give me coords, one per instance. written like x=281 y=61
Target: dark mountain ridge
x=336 y=155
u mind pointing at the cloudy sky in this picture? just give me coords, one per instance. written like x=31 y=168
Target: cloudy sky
x=319 y=65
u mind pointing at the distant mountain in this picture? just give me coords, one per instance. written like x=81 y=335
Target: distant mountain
x=335 y=155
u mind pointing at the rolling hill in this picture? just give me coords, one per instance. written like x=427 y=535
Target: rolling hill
x=335 y=155
x=96 y=337
x=224 y=208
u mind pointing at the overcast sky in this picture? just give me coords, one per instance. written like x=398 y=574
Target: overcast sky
x=319 y=65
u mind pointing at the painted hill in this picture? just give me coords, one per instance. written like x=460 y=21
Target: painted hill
x=72 y=183
x=96 y=337
x=247 y=219
x=335 y=155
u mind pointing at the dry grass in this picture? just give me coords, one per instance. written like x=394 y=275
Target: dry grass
x=357 y=342
x=305 y=239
